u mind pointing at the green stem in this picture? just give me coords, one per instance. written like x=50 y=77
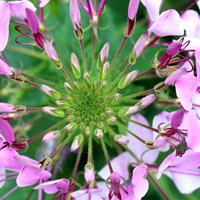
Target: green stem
x=83 y=55
x=140 y=139
x=48 y=130
x=106 y=155
x=137 y=94
x=118 y=78
x=120 y=66
x=67 y=75
x=90 y=149
x=93 y=51
x=62 y=145
x=41 y=80
x=116 y=56
x=31 y=83
x=27 y=52
x=77 y=162
x=140 y=124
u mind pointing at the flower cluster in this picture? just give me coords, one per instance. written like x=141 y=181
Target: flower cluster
x=100 y=105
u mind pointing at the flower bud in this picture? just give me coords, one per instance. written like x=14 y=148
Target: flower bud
x=115 y=177
x=82 y=125
x=50 y=136
x=138 y=49
x=133 y=8
x=109 y=111
x=89 y=175
x=144 y=102
x=149 y=145
x=103 y=55
x=63 y=104
x=71 y=118
x=68 y=88
x=98 y=133
x=104 y=86
x=75 y=66
x=53 y=111
x=95 y=85
x=88 y=130
x=87 y=79
x=50 y=50
x=127 y=79
x=105 y=70
x=71 y=126
x=116 y=97
x=122 y=139
x=7 y=108
x=75 y=14
x=45 y=162
x=50 y=91
x=160 y=87
x=20 y=108
x=128 y=110
x=76 y=86
x=111 y=120
x=78 y=140
x=17 y=77
x=100 y=125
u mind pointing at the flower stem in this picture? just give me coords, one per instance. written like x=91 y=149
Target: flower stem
x=116 y=56
x=144 y=73
x=83 y=55
x=137 y=94
x=49 y=129
x=67 y=75
x=120 y=66
x=93 y=51
x=90 y=149
x=119 y=77
x=163 y=193
x=140 y=139
x=62 y=145
x=31 y=83
x=77 y=162
x=140 y=124
x=106 y=155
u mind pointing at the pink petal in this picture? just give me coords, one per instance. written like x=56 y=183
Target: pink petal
x=153 y=8
x=4 y=68
x=133 y=8
x=7 y=108
x=7 y=131
x=86 y=191
x=168 y=160
x=32 y=21
x=4 y=28
x=168 y=23
x=197 y=55
x=75 y=14
x=29 y=176
x=18 y=8
x=135 y=145
x=190 y=22
x=193 y=140
x=161 y=142
x=52 y=187
x=186 y=87
x=177 y=118
x=141 y=188
x=8 y=161
x=186 y=181
x=119 y=164
x=44 y=3
x=2 y=171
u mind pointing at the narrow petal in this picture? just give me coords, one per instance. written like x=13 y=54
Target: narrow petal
x=4 y=68
x=186 y=87
x=4 y=28
x=75 y=14
x=18 y=8
x=168 y=160
x=2 y=171
x=177 y=118
x=7 y=108
x=168 y=23
x=7 y=131
x=133 y=8
x=29 y=176
x=32 y=21
x=193 y=141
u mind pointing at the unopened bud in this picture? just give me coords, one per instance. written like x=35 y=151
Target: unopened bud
x=160 y=87
x=75 y=66
x=52 y=135
x=71 y=126
x=63 y=104
x=149 y=145
x=116 y=97
x=57 y=63
x=71 y=118
x=100 y=125
x=69 y=98
x=78 y=140
x=122 y=139
x=50 y=51
x=76 y=86
x=111 y=120
x=82 y=125
x=17 y=77
x=45 y=162
x=53 y=111
x=103 y=55
x=50 y=91
x=105 y=70
x=128 y=111
x=98 y=133
x=68 y=87
x=109 y=111
x=127 y=79
x=129 y=28
x=87 y=79
x=88 y=130
x=104 y=86
x=144 y=102
x=95 y=85
x=20 y=108
x=89 y=175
